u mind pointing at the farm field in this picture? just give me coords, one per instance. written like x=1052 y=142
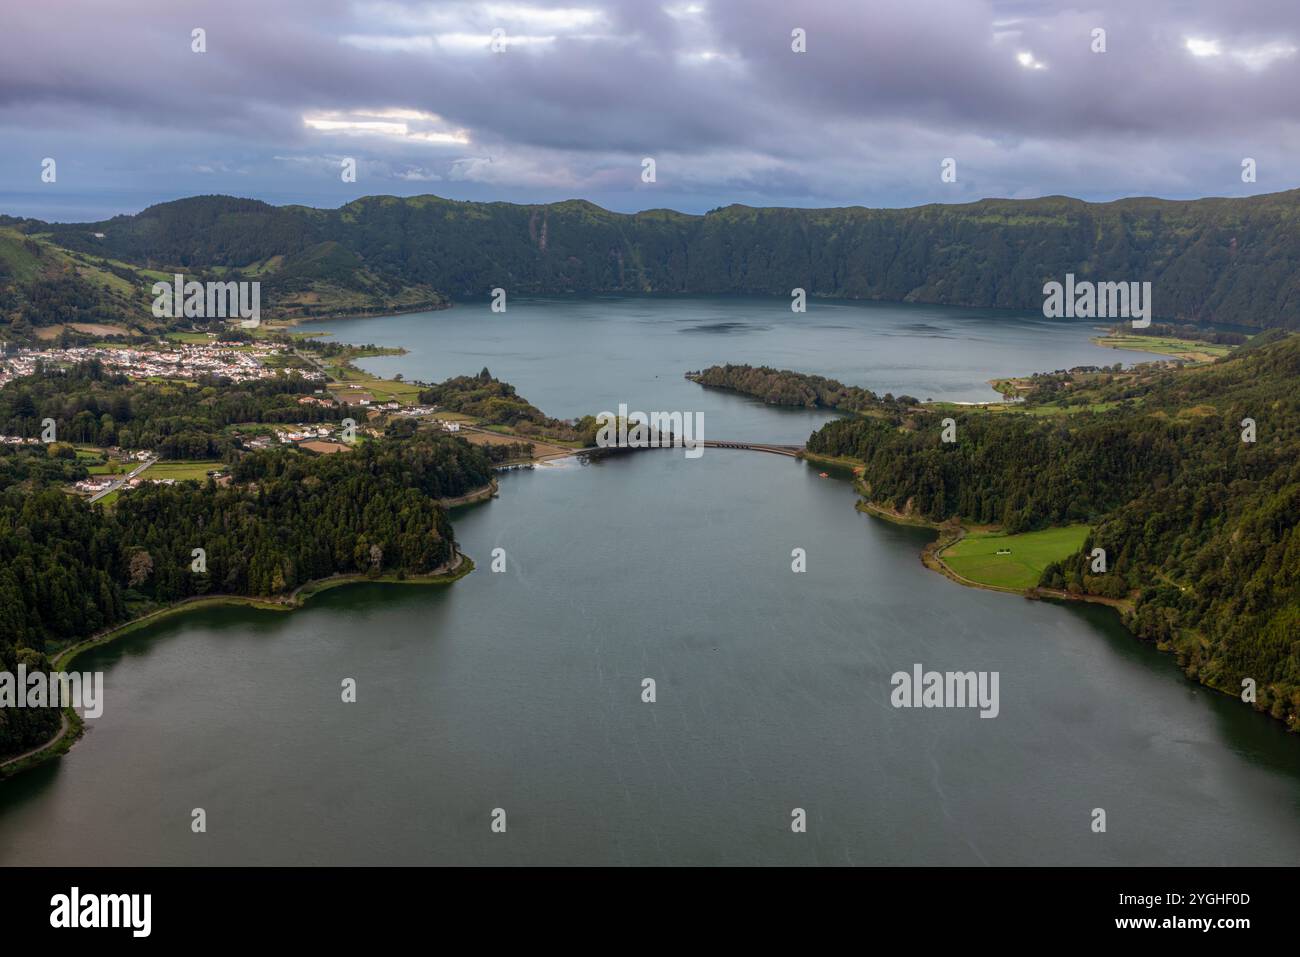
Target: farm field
x=1187 y=349
x=976 y=556
x=181 y=470
x=1018 y=408
x=48 y=333
x=383 y=390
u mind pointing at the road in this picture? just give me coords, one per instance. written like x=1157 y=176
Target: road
x=117 y=484
x=63 y=729
x=312 y=360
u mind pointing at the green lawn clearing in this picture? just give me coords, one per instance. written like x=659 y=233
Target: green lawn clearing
x=1023 y=557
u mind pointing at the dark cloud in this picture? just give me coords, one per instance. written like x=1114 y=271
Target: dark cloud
x=709 y=88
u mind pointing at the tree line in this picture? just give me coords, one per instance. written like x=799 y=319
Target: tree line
x=281 y=518
x=95 y=407
x=1227 y=261
x=1198 y=524
x=494 y=402
x=787 y=388
x=69 y=569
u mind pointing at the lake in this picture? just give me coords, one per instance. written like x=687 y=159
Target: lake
x=522 y=690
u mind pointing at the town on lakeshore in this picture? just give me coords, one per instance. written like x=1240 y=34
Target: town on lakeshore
x=236 y=361
x=115 y=470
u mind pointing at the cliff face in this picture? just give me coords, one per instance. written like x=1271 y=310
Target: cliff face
x=1230 y=261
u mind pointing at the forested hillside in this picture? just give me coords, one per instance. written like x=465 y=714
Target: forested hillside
x=279 y=518
x=494 y=402
x=68 y=569
x=45 y=285
x=1213 y=260
x=1198 y=525
x=42 y=284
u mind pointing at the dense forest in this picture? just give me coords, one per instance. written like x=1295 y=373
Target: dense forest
x=1229 y=261
x=783 y=387
x=68 y=569
x=1199 y=524
x=280 y=518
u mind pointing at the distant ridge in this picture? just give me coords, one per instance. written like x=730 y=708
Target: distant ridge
x=1223 y=260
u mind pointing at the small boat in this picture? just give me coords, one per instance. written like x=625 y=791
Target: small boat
x=824 y=475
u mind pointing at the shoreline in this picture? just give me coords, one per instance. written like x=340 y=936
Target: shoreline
x=471 y=497
x=950 y=533
x=1190 y=354
x=364 y=314
x=833 y=461
x=71 y=724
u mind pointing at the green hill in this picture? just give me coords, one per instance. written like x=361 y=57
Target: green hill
x=1199 y=526
x=54 y=278
x=1232 y=261
x=44 y=286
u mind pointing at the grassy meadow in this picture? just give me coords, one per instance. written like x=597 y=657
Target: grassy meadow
x=976 y=556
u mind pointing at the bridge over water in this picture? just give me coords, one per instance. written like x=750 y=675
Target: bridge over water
x=790 y=450
x=775 y=448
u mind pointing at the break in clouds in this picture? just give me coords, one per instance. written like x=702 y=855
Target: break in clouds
x=583 y=90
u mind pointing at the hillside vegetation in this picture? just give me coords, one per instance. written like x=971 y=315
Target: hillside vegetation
x=1221 y=260
x=44 y=285
x=51 y=291
x=1199 y=526
x=496 y=403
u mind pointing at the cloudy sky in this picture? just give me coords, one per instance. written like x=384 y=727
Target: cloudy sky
x=579 y=92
